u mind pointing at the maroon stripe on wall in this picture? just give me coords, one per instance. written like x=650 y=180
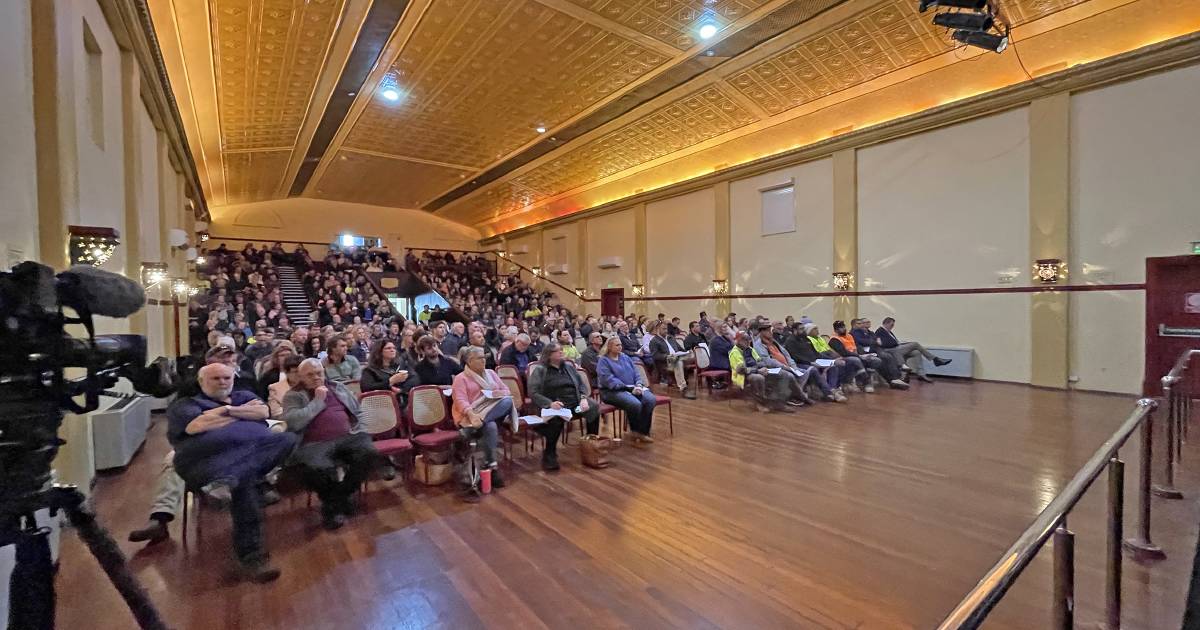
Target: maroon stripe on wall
x=770 y=296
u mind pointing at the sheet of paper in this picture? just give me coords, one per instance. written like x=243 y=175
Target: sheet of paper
x=561 y=413
x=532 y=420
x=824 y=363
x=773 y=370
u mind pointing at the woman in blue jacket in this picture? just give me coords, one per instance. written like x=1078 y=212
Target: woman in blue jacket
x=622 y=386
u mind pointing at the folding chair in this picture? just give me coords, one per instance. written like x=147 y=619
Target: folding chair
x=428 y=421
x=702 y=371
x=659 y=399
x=379 y=413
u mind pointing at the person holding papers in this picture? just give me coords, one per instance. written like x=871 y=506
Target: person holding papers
x=668 y=354
x=773 y=356
x=555 y=387
x=622 y=386
x=481 y=400
x=800 y=348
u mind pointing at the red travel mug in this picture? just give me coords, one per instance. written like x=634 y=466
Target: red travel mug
x=485 y=481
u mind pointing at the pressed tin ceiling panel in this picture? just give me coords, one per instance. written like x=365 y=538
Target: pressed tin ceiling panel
x=266 y=57
x=384 y=181
x=478 y=76
x=886 y=37
x=672 y=22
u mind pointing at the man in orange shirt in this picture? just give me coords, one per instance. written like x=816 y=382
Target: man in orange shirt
x=844 y=344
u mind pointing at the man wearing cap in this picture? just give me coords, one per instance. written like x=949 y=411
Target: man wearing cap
x=751 y=374
x=773 y=356
x=223 y=447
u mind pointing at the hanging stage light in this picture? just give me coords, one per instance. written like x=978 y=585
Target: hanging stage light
x=975 y=5
x=987 y=41
x=965 y=20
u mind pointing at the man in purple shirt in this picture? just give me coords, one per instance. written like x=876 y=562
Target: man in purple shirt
x=222 y=445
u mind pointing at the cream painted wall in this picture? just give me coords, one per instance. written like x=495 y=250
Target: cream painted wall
x=950 y=209
x=149 y=237
x=680 y=245
x=560 y=246
x=794 y=262
x=1135 y=186
x=18 y=171
x=532 y=243
x=611 y=235
x=317 y=220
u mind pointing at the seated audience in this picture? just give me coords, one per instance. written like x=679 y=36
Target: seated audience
x=335 y=453
x=289 y=373
x=383 y=371
x=433 y=368
x=719 y=346
x=570 y=352
x=481 y=402
x=622 y=386
x=804 y=352
x=223 y=448
x=668 y=355
x=695 y=336
x=844 y=344
x=909 y=352
x=591 y=355
x=272 y=367
x=773 y=356
x=750 y=373
x=554 y=383
x=340 y=365
x=520 y=353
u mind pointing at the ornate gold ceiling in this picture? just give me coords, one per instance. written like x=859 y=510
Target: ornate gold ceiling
x=475 y=78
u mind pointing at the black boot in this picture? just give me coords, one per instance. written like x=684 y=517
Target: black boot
x=939 y=361
x=550 y=460
x=154 y=532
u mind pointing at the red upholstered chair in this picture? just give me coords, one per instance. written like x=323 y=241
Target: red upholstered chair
x=517 y=389
x=704 y=374
x=379 y=413
x=429 y=421
x=659 y=399
x=505 y=369
x=605 y=408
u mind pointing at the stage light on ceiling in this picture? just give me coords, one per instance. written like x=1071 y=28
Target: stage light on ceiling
x=707 y=31
x=987 y=41
x=390 y=94
x=540 y=129
x=975 y=5
x=965 y=20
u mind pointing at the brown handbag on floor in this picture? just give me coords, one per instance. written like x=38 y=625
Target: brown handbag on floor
x=594 y=451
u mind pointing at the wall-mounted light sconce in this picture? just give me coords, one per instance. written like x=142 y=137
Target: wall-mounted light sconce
x=720 y=287
x=843 y=280
x=201 y=261
x=537 y=272
x=204 y=236
x=639 y=290
x=153 y=273
x=91 y=245
x=180 y=287
x=501 y=253
x=177 y=239
x=1049 y=270
x=580 y=292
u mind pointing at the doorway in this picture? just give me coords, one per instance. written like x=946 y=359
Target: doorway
x=1172 y=317
x=612 y=302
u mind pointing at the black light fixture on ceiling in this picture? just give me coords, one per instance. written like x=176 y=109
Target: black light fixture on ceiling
x=974 y=5
x=965 y=20
x=995 y=42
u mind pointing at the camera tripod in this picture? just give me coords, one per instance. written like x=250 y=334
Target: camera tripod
x=31 y=594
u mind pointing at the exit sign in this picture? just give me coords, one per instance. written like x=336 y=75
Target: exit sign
x=1196 y=247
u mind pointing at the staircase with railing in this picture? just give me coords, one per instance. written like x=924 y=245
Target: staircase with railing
x=1051 y=523
x=295 y=300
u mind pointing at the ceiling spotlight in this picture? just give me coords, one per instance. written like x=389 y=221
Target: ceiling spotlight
x=987 y=41
x=707 y=31
x=965 y=20
x=976 y=5
x=540 y=129
x=391 y=94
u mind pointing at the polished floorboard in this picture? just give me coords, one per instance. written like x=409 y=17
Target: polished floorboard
x=881 y=513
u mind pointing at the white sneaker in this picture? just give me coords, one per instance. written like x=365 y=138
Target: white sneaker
x=870 y=389
x=839 y=397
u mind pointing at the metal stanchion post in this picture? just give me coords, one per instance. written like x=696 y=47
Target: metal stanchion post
x=1142 y=547
x=1116 y=532
x=1167 y=489
x=1064 y=577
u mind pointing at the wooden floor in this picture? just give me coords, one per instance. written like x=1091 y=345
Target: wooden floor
x=880 y=513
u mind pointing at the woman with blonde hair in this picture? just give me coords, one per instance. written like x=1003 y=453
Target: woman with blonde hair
x=481 y=401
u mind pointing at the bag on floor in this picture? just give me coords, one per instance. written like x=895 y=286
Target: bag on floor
x=593 y=450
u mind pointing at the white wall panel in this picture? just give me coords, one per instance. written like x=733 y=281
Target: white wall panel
x=680 y=245
x=792 y=262
x=608 y=236
x=18 y=171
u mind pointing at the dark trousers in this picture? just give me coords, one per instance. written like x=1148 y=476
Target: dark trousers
x=243 y=473
x=639 y=410
x=354 y=453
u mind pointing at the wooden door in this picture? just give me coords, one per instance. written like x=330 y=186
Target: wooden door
x=612 y=302
x=1172 y=317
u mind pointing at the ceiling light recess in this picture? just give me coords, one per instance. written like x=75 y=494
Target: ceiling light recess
x=707 y=31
